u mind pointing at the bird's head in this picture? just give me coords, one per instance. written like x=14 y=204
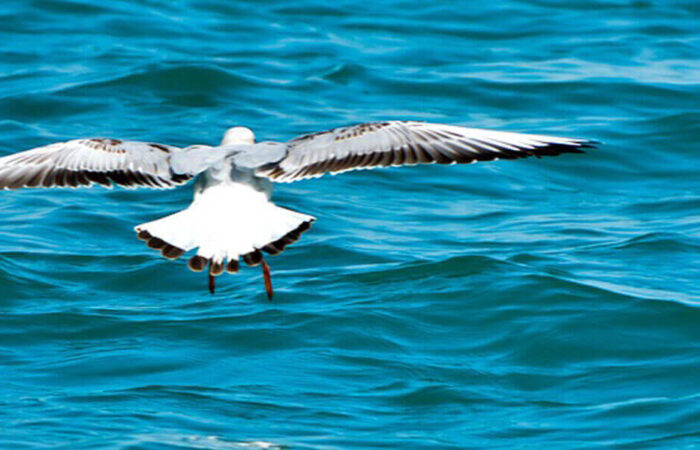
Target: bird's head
x=238 y=135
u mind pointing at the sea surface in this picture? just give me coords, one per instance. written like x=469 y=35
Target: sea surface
x=541 y=303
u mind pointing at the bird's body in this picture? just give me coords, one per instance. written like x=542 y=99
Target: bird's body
x=232 y=215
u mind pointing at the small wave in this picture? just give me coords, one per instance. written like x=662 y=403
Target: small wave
x=455 y=266
x=200 y=442
x=617 y=290
x=665 y=205
x=70 y=7
x=342 y=73
x=661 y=242
x=179 y=78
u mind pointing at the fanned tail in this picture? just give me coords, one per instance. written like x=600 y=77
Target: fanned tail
x=224 y=225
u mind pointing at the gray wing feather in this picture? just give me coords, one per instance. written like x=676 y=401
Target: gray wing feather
x=396 y=143
x=253 y=156
x=84 y=162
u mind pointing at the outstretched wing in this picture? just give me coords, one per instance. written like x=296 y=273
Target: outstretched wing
x=396 y=143
x=83 y=162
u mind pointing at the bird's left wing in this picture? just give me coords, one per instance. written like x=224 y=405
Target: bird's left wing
x=396 y=143
x=84 y=162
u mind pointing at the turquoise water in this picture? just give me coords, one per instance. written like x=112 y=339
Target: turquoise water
x=536 y=303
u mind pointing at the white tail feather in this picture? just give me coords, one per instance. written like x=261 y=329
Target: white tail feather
x=226 y=222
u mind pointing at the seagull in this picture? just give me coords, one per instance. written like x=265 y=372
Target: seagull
x=232 y=216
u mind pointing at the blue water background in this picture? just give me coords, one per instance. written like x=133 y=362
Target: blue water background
x=531 y=304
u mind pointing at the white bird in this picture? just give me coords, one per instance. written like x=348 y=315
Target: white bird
x=232 y=216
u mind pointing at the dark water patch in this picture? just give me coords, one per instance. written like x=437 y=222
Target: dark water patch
x=665 y=206
x=457 y=266
x=69 y=8
x=664 y=242
x=39 y=107
x=205 y=81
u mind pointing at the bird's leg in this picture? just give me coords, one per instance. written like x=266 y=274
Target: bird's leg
x=268 y=280
x=216 y=268
x=212 y=283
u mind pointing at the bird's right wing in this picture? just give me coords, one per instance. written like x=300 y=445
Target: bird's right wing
x=84 y=162
x=397 y=143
